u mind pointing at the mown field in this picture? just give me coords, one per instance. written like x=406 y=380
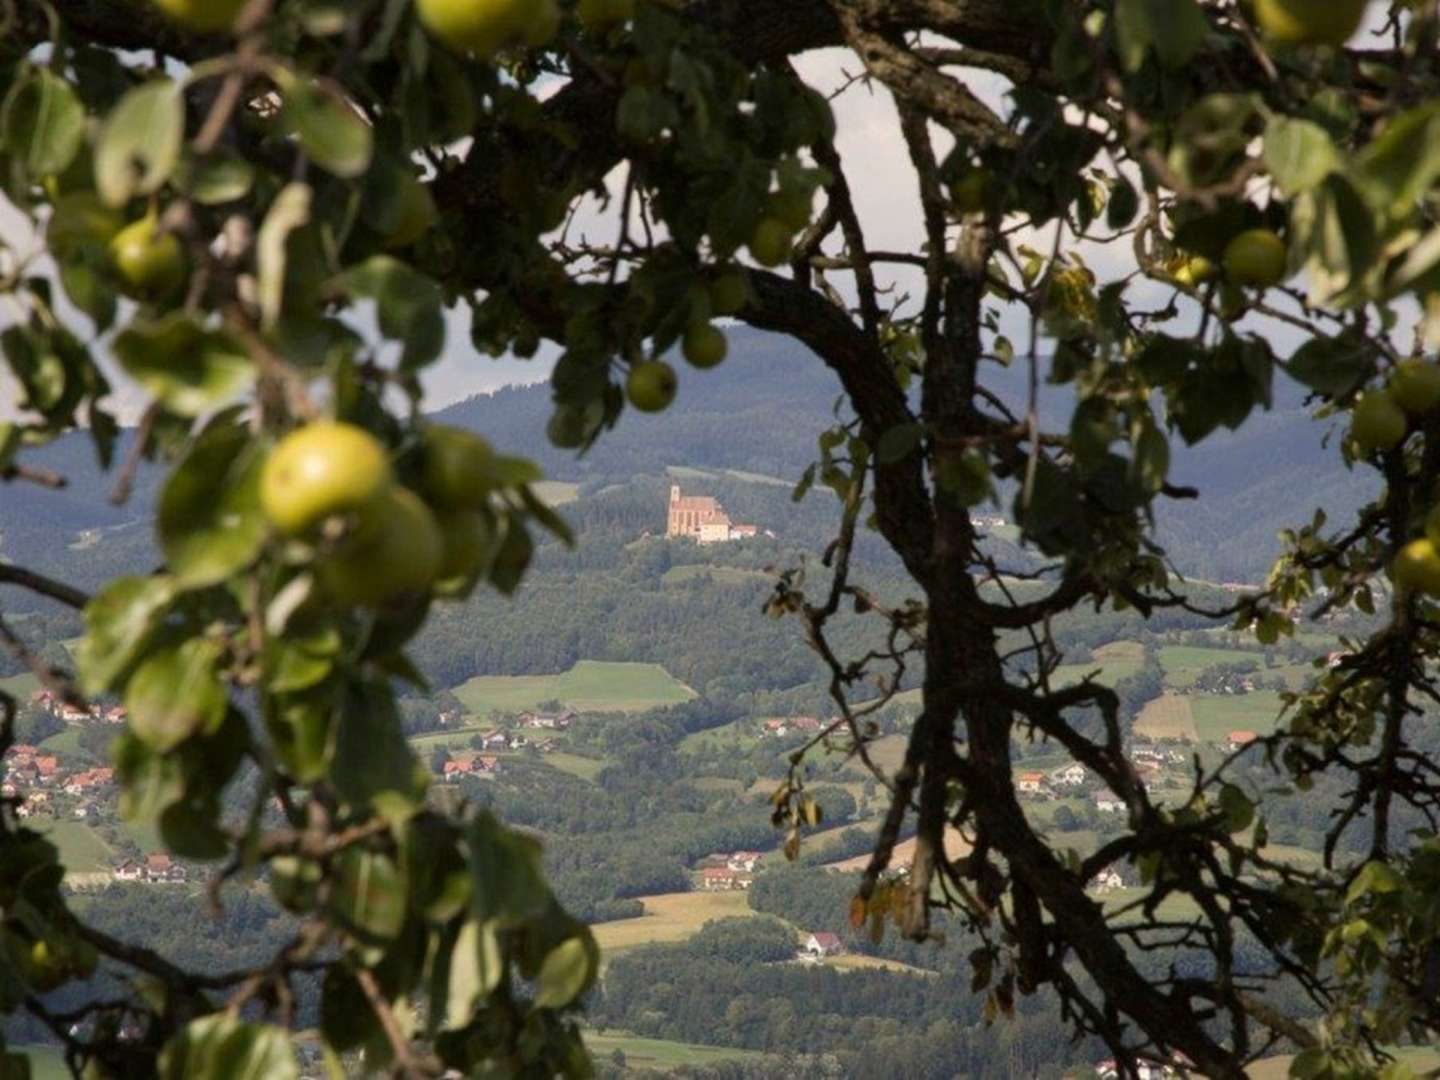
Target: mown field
x=81 y=848
x=642 y=1053
x=1115 y=661
x=1167 y=717
x=1216 y=715
x=669 y=917
x=1183 y=663
x=590 y=686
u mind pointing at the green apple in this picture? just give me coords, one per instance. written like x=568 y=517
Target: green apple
x=1377 y=422
x=728 y=293
x=793 y=206
x=771 y=241
x=705 y=345
x=150 y=264
x=1194 y=270
x=651 y=386
x=1417 y=567
x=322 y=469
x=1309 y=22
x=466 y=536
x=395 y=554
x=1256 y=258
x=1415 y=386
x=970 y=194
x=202 y=16
x=458 y=467
x=415 y=212
x=484 y=27
x=80 y=220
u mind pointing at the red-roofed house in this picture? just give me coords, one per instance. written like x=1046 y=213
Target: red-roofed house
x=162 y=868
x=822 y=943
x=1030 y=783
x=1241 y=738
x=743 y=860
x=46 y=768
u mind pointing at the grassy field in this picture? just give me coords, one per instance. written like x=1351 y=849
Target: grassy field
x=955 y=846
x=66 y=742
x=1216 y=715
x=590 y=686
x=741 y=733
x=1278 y=1068
x=586 y=768
x=1114 y=661
x=1167 y=717
x=81 y=850
x=669 y=917
x=1182 y=663
x=641 y=1053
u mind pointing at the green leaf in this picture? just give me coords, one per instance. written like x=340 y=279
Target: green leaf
x=369 y=895
x=1175 y=28
x=509 y=886
x=899 y=442
x=474 y=969
x=217 y=179
x=371 y=757
x=289 y=211
x=43 y=123
x=1394 y=170
x=209 y=517
x=1152 y=459
x=568 y=971
x=139 y=144
x=513 y=557
x=119 y=622
x=186 y=367
x=191 y=830
x=176 y=693
x=408 y=305
x=1239 y=811
x=1374 y=878
x=1332 y=366
x=1299 y=154
x=223 y=1047
x=329 y=130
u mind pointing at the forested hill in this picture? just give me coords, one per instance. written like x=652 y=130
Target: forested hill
x=759 y=412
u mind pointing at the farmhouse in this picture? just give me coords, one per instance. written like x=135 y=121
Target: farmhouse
x=493 y=739
x=471 y=765
x=1108 y=802
x=702 y=519
x=746 y=861
x=47 y=768
x=1108 y=880
x=821 y=943
x=89 y=780
x=723 y=879
x=1237 y=739
x=1030 y=783
x=129 y=870
x=550 y=721
x=163 y=869
x=1072 y=775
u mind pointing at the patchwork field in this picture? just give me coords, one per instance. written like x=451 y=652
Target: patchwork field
x=1216 y=715
x=669 y=917
x=1114 y=661
x=1167 y=717
x=642 y=1053
x=590 y=686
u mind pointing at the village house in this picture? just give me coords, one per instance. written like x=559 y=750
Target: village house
x=702 y=519
x=747 y=861
x=1237 y=739
x=723 y=879
x=1108 y=880
x=1072 y=775
x=820 y=944
x=47 y=768
x=162 y=869
x=1107 y=802
x=778 y=726
x=1030 y=783
x=556 y=721
x=21 y=753
x=471 y=765
x=493 y=739
x=89 y=780
x=37 y=802
x=129 y=870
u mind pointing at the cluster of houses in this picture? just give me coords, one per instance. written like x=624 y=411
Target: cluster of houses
x=728 y=871
x=1149 y=762
x=73 y=714
x=493 y=739
x=34 y=776
x=780 y=726
x=153 y=869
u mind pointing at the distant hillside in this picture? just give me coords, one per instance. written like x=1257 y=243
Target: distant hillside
x=759 y=413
